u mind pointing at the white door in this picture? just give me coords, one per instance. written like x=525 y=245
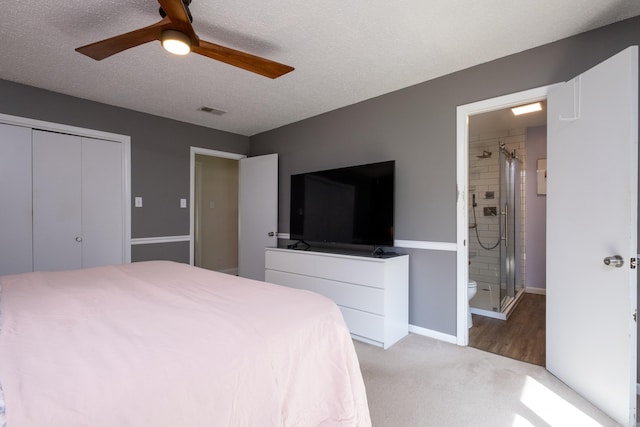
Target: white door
x=592 y=217
x=15 y=195
x=57 y=221
x=102 y=203
x=258 y=205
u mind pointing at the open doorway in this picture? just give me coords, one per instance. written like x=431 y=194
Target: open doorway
x=257 y=209
x=214 y=214
x=465 y=114
x=506 y=242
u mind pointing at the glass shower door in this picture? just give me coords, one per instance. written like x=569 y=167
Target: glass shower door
x=510 y=195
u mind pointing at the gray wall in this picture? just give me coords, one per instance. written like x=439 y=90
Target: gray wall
x=176 y=251
x=160 y=153
x=416 y=127
x=536 y=211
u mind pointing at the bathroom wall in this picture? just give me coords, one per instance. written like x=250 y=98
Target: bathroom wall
x=536 y=229
x=484 y=178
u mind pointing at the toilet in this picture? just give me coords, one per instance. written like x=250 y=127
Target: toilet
x=472 y=288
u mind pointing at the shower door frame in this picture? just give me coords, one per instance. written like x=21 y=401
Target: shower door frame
x=511 y=250
x=507 y=212
x=462 y=175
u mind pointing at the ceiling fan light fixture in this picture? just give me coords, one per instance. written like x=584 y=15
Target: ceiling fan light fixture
x=176 y=34
x=176 y=42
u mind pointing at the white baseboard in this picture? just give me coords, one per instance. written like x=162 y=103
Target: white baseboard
x=537 y=291
x=452 y=339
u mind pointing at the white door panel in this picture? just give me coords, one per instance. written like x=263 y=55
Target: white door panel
x=15 y=207
x=102 y=203
x=57 y=222
x=592 y=214
x=258 y=205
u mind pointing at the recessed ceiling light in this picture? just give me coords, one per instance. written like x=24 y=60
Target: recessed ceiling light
x=529 y=108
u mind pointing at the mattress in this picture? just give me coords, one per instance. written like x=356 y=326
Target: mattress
x=166 y=344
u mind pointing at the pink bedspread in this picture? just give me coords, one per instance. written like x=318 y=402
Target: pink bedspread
x=166 y=344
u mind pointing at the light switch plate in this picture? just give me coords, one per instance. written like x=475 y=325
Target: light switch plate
x=183 y=203
x=138 y=202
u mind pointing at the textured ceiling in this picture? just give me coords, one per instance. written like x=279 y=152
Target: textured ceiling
x=343 y=51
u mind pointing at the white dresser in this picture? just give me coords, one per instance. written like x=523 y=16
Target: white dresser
x=372 y=293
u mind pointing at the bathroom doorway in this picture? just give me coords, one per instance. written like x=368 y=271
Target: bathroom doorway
x=464 y=113
x=506 y=188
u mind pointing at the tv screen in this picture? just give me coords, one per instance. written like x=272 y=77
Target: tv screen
x=351 y=205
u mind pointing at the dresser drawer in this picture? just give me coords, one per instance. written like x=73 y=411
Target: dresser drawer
x=358 y=270
x=360 y=297
x=370 y=326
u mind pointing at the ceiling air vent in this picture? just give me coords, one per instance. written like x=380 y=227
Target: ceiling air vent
x=212 y=111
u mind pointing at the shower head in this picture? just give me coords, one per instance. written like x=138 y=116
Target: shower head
x=485 y=155
x=510 y=155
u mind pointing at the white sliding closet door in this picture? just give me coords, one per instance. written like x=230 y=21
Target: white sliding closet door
x=57 y=208
x=102 y=203
x=15 y=206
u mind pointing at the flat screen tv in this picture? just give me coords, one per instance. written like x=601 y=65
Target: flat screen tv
x=352 y=205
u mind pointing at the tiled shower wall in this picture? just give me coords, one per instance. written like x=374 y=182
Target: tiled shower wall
x=484 y=176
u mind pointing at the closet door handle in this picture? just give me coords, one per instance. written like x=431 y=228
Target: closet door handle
x=79 y=239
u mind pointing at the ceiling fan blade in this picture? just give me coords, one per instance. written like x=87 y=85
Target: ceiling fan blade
x=105 y=48
x=255 y=64
x=177 y=12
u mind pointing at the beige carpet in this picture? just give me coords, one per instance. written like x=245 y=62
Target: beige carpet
x=425 y=382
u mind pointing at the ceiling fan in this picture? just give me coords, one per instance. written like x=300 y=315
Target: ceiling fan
x=175 y=31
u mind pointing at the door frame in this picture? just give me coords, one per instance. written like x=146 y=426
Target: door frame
x=192 y=180
x=125 y=140
x=462 y=178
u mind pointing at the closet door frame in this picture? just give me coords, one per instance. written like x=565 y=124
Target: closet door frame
x=125 y=140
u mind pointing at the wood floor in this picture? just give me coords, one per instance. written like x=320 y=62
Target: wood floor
x=520 y=337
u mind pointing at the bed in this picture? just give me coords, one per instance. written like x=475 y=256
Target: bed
x=160 y=343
